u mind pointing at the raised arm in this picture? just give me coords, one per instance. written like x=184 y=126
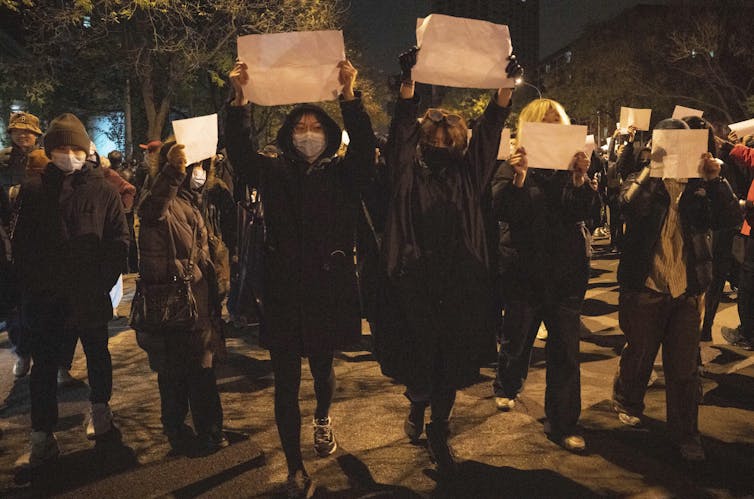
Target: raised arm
x=240 y=139
x=485 y=139
x=164 y=188
x=359 y=160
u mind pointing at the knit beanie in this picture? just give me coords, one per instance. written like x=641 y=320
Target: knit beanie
x=66 y=130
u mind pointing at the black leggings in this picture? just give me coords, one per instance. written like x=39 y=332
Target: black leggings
x=287 y=369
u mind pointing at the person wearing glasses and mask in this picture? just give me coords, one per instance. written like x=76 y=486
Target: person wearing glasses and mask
x=311 y=197
x=545 y=210
x=437 y=325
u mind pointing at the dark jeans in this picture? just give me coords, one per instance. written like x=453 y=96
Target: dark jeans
x=722 y=262
x=440 y=397
x=746 y=292
x=650 y=319
x=560 y=310
x=48 y=336
x=286 y=366
x=183 y=387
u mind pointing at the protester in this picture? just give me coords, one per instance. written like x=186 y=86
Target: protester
x=663 y=274
x=743 y=157
x=173 y=247
x=311 y=203
x=24 y=132
x=69 y=246
x=437 y=321
x=546 y=210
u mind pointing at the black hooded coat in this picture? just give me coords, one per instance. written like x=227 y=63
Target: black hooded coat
x=310 y=298
x=436 y=317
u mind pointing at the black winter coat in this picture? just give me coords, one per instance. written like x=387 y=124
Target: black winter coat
x=310 y=302
x=547 y=231
x=70 y=242
x=437 y=304
x=704 y=206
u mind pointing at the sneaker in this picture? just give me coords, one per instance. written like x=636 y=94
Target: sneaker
x=324 y=440
x=626 y=418
x=213 y=442
x=43 y=449
x=64 y=377
x=299 y=485
x=731 y=334
x=573 y=443
x=505 y=404
x=691 y=450
x=21 y=366
x=100 y=421
x=542 y=332
x=414 y=424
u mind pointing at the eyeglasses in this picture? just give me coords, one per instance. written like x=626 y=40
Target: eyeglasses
x=438 y=116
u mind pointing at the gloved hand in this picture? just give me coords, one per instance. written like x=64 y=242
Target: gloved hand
x=407 y=60
x=514 y=69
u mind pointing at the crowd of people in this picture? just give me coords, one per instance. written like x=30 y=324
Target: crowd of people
x=456 y=249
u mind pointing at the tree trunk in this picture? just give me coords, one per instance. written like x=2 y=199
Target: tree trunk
x=127 y=121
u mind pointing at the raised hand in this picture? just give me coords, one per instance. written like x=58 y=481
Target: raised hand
x=631 y=133
x=407 y=60
x=710 y=167
x=347 y=78
x=239 y=76
x=177 y=157
x=514 y=69
x=579 y=166
x=520 y=166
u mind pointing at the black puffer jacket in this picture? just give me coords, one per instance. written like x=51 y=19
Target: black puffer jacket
x=70 y=242
x=704 y=206
x=310 y=301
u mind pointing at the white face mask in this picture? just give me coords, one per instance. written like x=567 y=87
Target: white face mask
x=198 y=177
x=310 y=144
x=67 y=162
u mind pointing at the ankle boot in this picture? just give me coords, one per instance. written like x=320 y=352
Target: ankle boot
x=440 y=451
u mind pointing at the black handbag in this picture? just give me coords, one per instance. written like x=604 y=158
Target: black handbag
x=166 y=306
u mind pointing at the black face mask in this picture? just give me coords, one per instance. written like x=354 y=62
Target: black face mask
x=437 y=158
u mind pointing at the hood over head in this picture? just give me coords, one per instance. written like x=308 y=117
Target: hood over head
x=333 y=133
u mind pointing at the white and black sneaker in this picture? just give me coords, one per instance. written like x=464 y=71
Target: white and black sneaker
x=324 y=440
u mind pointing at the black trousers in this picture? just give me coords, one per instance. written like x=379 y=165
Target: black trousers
x=746 y=291
x=286 y=366
x=18 y=337
x=650 y=319
x=133 y=251
x=48 y=339
x=722 y=263
x=183 y=387
x=559 y=307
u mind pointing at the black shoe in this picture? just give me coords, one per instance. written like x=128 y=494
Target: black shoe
x=746 y=344
x=213 y=442
x=181 y=440
x=440 y=451
x=414 y=424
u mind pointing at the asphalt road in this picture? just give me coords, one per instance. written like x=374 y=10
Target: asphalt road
x=503 y=454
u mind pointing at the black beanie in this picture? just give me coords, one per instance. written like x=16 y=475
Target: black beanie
x=66 y=130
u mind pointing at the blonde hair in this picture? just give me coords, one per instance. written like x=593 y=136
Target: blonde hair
x=456 y=135
x=535 y=111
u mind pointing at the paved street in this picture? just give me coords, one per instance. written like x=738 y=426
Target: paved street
x=503 y=454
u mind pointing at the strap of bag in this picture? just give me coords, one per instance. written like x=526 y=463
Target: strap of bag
x=368 y=217
x=174 y=251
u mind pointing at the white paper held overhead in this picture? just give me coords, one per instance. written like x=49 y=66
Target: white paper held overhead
x=743 y=128
x=292 y=68
x=199 y=135
x=678 y=153
x=683 y=112
x=637 y=117
x=550 y=145
x=465 y=53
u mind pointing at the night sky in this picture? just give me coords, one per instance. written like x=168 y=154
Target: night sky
x=386 y=27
